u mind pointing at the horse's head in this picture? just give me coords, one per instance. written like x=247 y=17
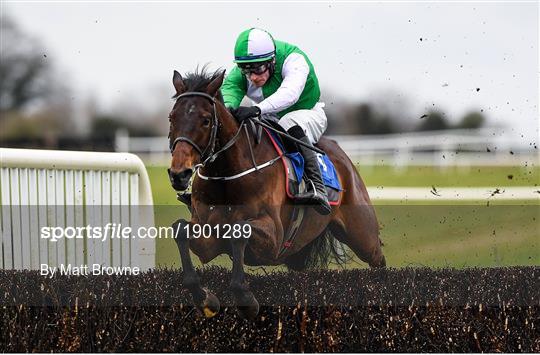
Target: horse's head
x=193 y=124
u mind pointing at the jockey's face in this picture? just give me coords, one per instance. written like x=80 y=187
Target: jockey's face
x=259 y=79
x=257 y=73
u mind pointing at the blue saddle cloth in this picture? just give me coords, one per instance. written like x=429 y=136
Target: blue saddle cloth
x=328 y=171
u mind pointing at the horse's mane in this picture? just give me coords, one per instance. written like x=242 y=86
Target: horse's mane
x=199 y=79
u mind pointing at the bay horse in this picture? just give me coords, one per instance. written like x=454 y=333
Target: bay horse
x=206 y=139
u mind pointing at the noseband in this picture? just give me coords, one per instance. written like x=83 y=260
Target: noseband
x=207 y=152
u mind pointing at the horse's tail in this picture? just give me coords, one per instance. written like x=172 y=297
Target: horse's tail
x=319 y=253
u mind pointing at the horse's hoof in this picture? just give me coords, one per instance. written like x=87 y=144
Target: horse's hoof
x=210 y=306
x=248 y=307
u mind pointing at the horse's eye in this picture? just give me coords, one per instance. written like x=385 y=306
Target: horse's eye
x=206 y=122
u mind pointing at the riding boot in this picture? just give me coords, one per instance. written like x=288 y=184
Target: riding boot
x=316 y=193
x=185 y=198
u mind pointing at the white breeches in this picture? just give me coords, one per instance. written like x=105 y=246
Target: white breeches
x=313 y=122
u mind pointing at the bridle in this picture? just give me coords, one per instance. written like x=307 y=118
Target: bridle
x=208 y=151
x=208 y=154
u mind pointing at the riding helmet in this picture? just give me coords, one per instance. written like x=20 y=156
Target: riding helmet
x=253 y=46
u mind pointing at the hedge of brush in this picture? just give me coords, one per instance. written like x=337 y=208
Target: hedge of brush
x=405 y=310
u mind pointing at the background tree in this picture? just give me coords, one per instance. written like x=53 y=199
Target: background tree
x=472 y=120
x=105 y=126
x=24 y=68
x=34 y=105
x=371 y=122
x=433 y=121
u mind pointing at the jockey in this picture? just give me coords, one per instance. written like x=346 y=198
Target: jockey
x=279 y=78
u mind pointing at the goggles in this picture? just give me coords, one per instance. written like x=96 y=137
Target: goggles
x=254 y=68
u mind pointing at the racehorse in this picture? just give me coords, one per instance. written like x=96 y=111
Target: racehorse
x=206 y=140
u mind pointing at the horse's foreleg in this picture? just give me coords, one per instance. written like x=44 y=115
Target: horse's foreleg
x=205 y=301
x=247 y=304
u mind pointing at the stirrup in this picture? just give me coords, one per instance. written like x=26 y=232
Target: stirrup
x=322 y=205
x=315 y=192
x=316 y=200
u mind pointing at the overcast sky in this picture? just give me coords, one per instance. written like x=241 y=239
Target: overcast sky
x=427 y=54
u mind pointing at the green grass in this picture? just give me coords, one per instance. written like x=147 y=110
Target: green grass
x=438 y=234
x=460 y=235
x=451 y=176
x=162 y=191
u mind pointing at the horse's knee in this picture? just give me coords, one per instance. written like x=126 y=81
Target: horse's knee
x=179 y=231
x=259 y=240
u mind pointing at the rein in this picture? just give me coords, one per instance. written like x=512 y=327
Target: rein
x=207 y=154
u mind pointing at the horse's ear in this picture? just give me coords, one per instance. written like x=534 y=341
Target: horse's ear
x=178 y=83
x=214 y=86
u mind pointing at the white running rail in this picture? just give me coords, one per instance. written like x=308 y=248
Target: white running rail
x=454 y=194
x=41 y=188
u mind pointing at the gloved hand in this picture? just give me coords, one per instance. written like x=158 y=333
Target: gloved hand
x=244 y=112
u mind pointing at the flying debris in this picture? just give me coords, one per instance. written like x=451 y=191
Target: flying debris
x=434 y=191
x=497 y=191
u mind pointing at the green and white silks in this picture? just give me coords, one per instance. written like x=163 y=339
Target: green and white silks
x=293 y=86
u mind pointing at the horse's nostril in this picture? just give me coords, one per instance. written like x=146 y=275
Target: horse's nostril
x=186 y=174
x=180 y=180
x=183 y=175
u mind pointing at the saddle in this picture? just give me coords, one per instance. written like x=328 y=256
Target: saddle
x=294 y=166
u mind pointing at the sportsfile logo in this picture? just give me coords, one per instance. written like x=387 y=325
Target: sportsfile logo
x=109 y=231
x=118 y=231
